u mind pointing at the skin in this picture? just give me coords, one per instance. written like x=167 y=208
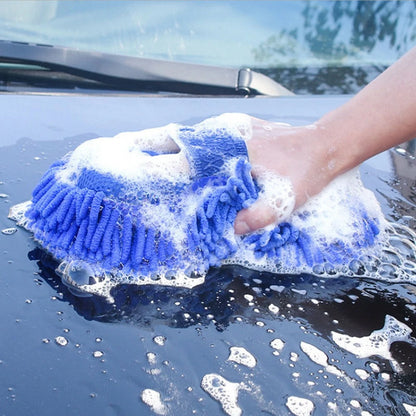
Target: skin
x=380 y=116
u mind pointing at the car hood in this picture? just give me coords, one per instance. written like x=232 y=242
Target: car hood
x=265 y=341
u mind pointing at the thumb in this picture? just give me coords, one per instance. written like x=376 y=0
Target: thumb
x=258 y=215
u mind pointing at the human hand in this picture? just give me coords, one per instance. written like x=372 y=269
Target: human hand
x=297 y=160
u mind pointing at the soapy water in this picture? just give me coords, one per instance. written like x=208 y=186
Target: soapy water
x=160 y=236
x=224 y=391
x=153 y=400
x=241 y=356
x=299 y=406
x=378 y=342
x=306 y=355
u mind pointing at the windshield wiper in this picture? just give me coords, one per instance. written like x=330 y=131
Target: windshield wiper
x=138 y=74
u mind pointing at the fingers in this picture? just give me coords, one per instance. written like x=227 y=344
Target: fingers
x=259 y=215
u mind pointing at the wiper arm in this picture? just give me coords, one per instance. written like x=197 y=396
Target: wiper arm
x=141 y=73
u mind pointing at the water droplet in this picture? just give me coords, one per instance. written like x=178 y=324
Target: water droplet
x=362 y=373
x=9 y=231
x=97 y=354
x=273 y=308
x=294 y=356
x=62 y=341
x=277 y=344
x=385 y=377
x=151 y=357
x=159 y=340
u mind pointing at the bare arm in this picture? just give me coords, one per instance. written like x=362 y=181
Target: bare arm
x=380 y=116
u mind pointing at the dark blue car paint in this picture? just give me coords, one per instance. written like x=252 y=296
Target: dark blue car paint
x=103 y=368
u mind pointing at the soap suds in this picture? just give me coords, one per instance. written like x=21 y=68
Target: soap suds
x=299 y=406
x=241 y=356
x=153 y=400
x=224 y=391
x=378 y=342
x=340 y=231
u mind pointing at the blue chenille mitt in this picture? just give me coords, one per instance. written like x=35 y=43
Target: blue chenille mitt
x=158 y=206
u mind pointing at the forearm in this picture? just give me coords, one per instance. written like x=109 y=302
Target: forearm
x=382 y=115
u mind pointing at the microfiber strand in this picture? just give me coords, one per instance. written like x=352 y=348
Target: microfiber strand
x=153 y=226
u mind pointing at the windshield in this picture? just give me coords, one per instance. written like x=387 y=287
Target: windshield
x=308 y=46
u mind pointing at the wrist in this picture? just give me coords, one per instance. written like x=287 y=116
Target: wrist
x=340 y=150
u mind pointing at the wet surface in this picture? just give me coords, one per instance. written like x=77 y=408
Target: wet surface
x=244 y=342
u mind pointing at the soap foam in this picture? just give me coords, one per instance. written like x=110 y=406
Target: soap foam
x=223 y=391
x=153 y=400
x=378 y=342
x=241 y=356
x=411 y=410
x=319 y=357
x=339 y=217
x=237 y=123
x=328 y=219
x=300 y=406
x=126 y=155
x=277 y=193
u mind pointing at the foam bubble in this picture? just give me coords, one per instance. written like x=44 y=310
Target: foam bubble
x=330 y=215
x=276 y=192
x=224 y=392
x=277 y=344
x=125 y=155
x=410 y=409
x=314 y=353
x=273 y=308
x=153 y=399
x=241 y=356
x=159 y=340
x=300 y=406
x=18 y=213
x=151 y=357
x=362 y=374
x=378 y=342
x=319 y=357
x=61 y=341
x=9 y=231
x=248 y=297
x=237 y=123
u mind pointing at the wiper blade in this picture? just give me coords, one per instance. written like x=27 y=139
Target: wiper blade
x=141 y=73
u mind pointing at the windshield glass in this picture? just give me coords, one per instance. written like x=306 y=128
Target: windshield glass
x=308 y=46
